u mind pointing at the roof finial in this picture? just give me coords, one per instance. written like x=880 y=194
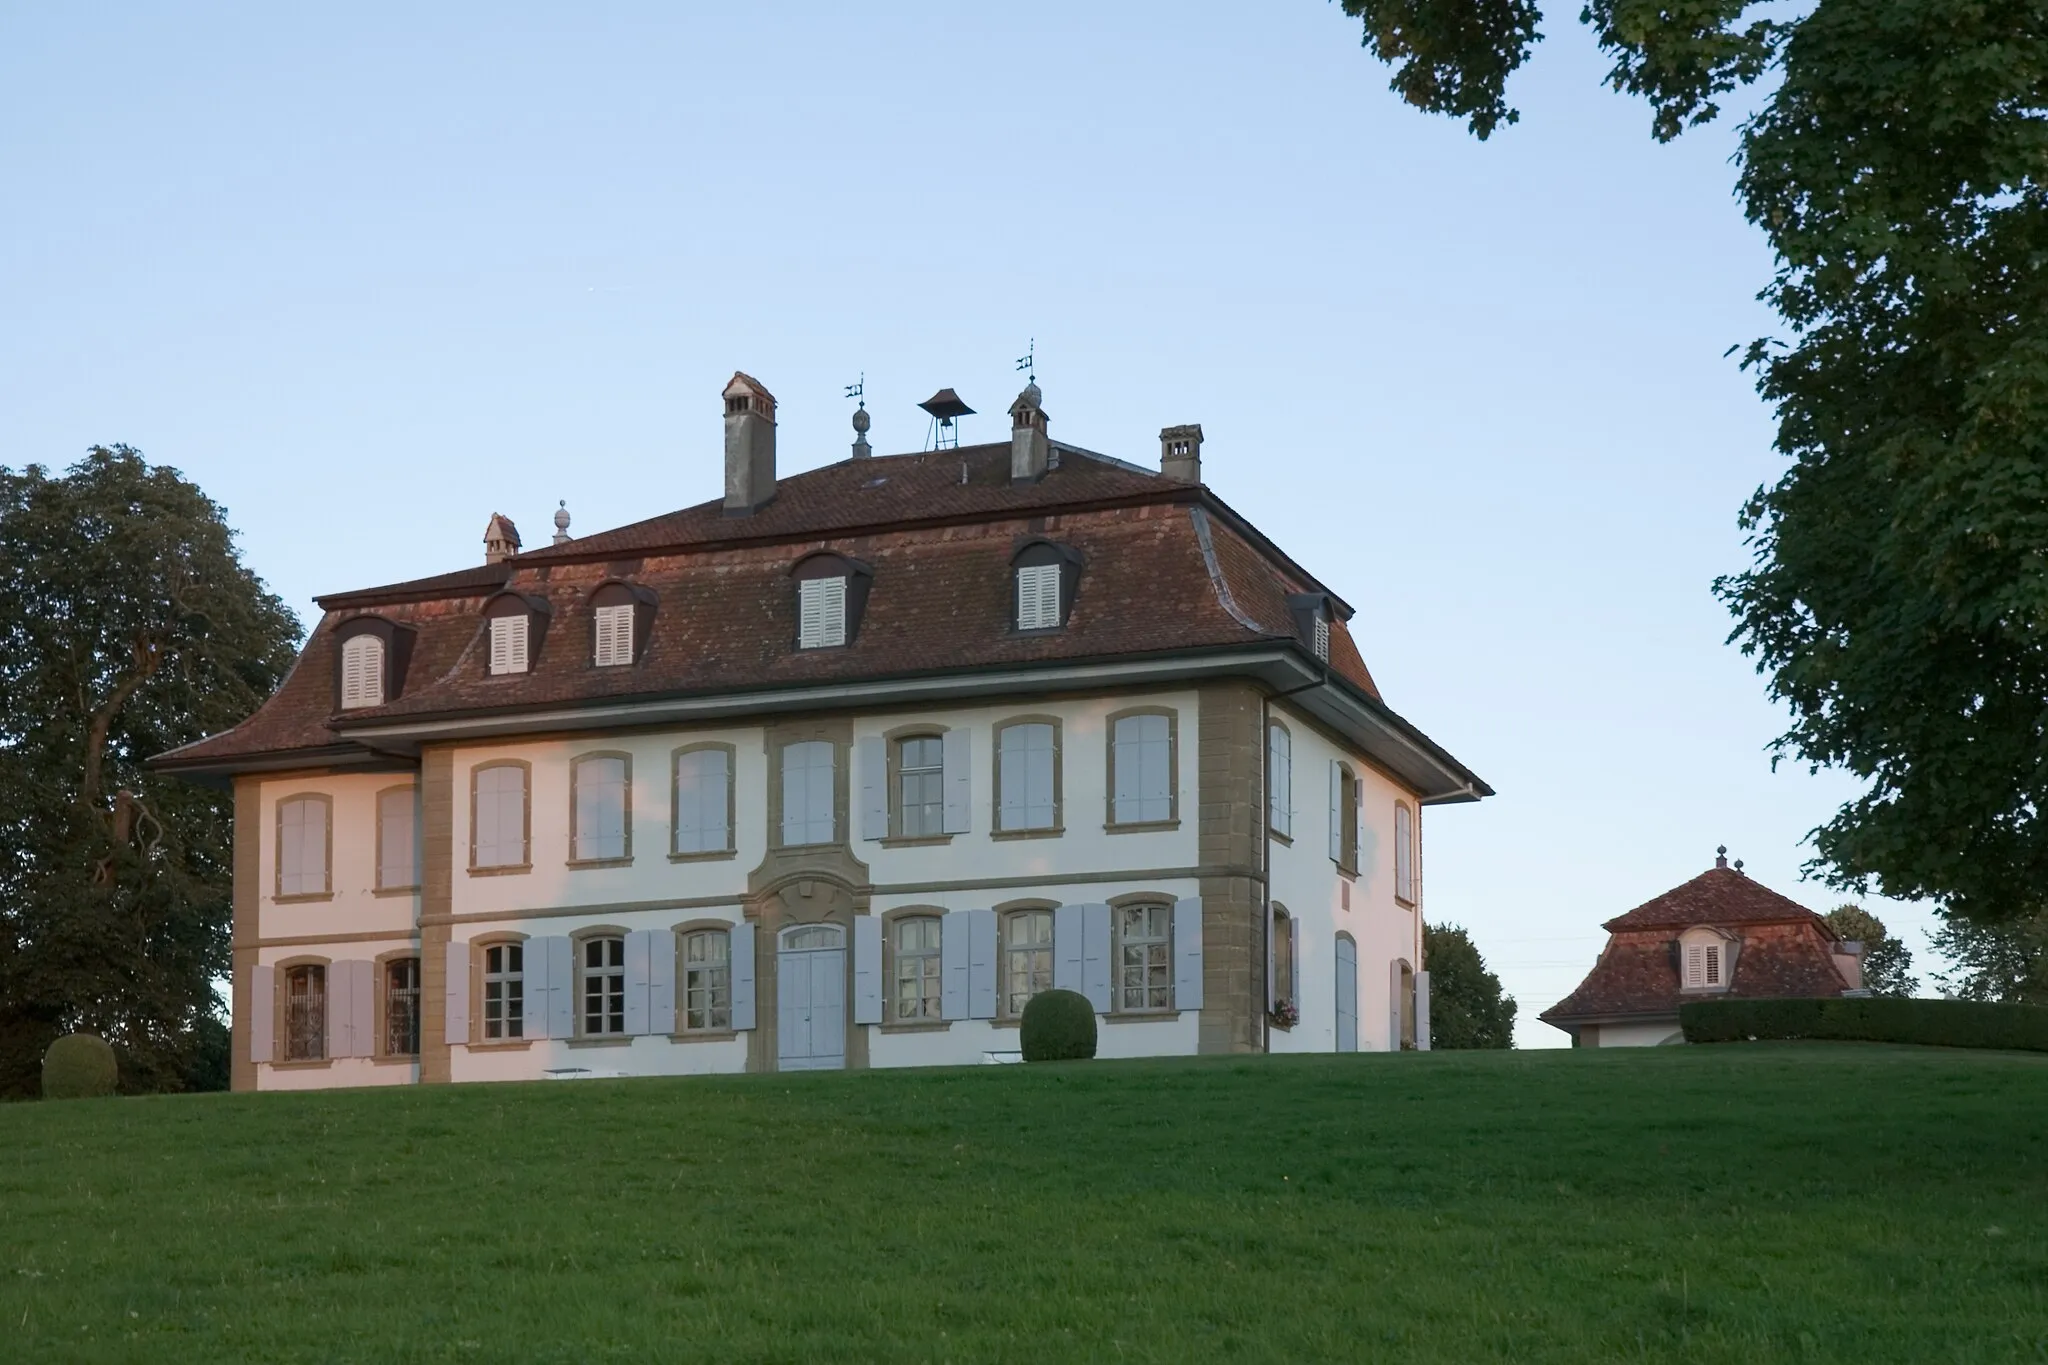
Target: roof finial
x=1028 y=362
x=1738 y=865
x=562 y=522
x=859 y=389
x=1721 y=856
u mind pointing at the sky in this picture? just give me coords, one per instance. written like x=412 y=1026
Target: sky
x=369 y=274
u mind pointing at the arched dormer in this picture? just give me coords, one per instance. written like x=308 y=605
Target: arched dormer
x=621 y=622
x=370 y=657
x=1044 y=576
x=1314 y=614
x=831 y=597
x=1706 y=959
x=515 y=626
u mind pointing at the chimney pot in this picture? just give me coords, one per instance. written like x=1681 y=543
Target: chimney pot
x=1030 y=447
x=501 y=538
x=749 y=445
x=1180 y=453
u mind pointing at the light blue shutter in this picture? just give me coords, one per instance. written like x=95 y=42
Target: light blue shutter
x=262 y=1013
x=981 y=964
x=953 y=968
x=1271 y=969
x=1067 y=933
x=874 y=787
x=957 y=781
x=661 y=981
x=743 y=976
x=456 y=970
x=341 y=1009
x=1336 y=812
x=1422 y=1011
x=363 y=1008
x=1294 y=961
x=561 y=988
x=637 y=953
x=1187 y=953
x=867 y=970
x=1095 y=939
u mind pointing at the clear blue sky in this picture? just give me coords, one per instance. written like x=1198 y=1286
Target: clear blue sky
x=370 y=274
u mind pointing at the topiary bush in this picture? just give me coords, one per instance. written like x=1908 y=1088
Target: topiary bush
x=1869 y=1019
x=1058 y=1026
x=79 y=1066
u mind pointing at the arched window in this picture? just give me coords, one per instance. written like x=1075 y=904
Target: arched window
x=1027 y=958
x=1027 y=775
x=1286 y=949
x=1279 y=780
x=362 y=672
x=305 y=1013
x=1142 y=767
x=304 y=842
x=603 y=979
x=707 y=981
x=914 y=994
x=1144 y=957
x=498 y=825
x=809 y=814
x=621 y=615
x=601 y=787
x=402 y=1007
x=1706 y=959
x=517 y=623
x=831 y=593
x=1045 y=575
x=703 y=800
x=504 y=976
x=1404 y=853
x=1343 y=817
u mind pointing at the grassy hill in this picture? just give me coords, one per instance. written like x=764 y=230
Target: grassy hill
x=1712 y=1204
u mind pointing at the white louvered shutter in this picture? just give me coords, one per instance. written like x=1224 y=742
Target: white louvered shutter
x=1068 y=931
x=1404 y=854
x=957 y=780
x=1038 y=597
x=821 y=613
x=362 y=672
x=614 y=636
x=1322 y=637
x=1695 y=967
x=508 y=644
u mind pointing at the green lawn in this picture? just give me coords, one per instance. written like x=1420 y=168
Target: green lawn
x=1735 y=1203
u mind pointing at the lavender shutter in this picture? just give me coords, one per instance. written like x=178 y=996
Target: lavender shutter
x=638 y=951
x=867 y=970
x=363 y=1008
x=874 y=787
x=953 y=964
x=340 y=1001
x=743 y=976
x=1270 y=946
x=981 y=964
x=262 y=1013
x=457 y=994
x=957 y=781
x=533 y=988
x=561 y=988
x=1067 y=933
x=1187 y=953
x=661 y=981
x=1294 y=961
x=1095 y=945
x=1336 y=812
x=1422 y=1011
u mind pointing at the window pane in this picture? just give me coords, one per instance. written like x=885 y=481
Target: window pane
x=916 y=986
x=402 y=1008
x=703 y=790
x=601 y=808
x=707 y=981
x=1142 y=756
x=921 y=799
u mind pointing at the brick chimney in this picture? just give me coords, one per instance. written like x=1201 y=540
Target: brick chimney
x=1030 y=448
x=1180 y=453
x=749 y=446
x=1848 y=960
x=501 y=538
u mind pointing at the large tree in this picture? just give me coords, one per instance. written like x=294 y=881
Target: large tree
x=128 y=625
x=2005 y=962
x=1467 y=1007
x=1887 y=961
x=1898 y=600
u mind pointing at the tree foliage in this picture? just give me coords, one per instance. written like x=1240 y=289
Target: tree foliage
x=1898 y=599
x=128 y=626
x=1887 y=962
x=1467 y=1008
x=2005 y=962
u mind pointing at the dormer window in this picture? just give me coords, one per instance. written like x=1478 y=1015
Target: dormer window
x=831 y=593
x=1706 y=959
x=614 y=636
x=508 y=644
x=1313 y=612
x=1703 y=966
x=362 y=672
x=1320 y=633
x=1046 y=574
x=621 y=618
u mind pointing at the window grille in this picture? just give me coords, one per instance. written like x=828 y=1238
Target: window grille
x=921 y=783
x=614 y=636
x=1038 y=597
x=918 y=994
x=1145 y=957
x=707 y=981
x=1028 y=757
x=508 y=644
x=504 y=991
x=305 y=1014
x=402 y=1008
x=1027 y=958
x=1143 y=758
x=604 y=986
x=362 y=672
x=821 y=613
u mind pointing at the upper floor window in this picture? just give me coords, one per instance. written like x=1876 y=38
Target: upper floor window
x=707 y=981
x=1404 y=853
x=808 y=796
x=921 y=786
x=402 y=1007
x=1027 y=776
x=1141 y=764
x=1312 y=616
x=1285 y=936
x=508 y=643
x=614 y=635
x=1027 y=958
x=1144 y=957
x=917 y=993
x=1321 y=639
x=600 y=788
x=305 y=1013
x=1046 y=574
x=703 y=800
x=604 y=985
x=398 y=866
x=498 y=816
x=504 y=991
x=1279 y=780
x=362 y=671
x=303 y=844
x=1343 y=817
x=821 y=613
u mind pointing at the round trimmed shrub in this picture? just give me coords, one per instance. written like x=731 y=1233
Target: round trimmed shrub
x=79 y=1066
x=1058 y=1026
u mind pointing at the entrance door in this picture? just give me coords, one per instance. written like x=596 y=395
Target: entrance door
x=810 y=990
x=1347 y=994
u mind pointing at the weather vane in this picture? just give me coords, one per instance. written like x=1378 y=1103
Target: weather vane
x=859 y=388
x=1028 y=362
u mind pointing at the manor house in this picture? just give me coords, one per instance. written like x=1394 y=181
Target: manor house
x=835 y=771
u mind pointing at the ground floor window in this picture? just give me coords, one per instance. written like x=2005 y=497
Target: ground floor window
x=1145 y=957
x=917 y=969
x=707 y=981
x=604 y=986
x=504 y=991
x=402 y=1007
x=305 y=1014
x=1027 y=958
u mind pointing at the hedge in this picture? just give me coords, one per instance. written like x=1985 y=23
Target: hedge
x=1058 y=1026
x=1869 y=1019
x=79 y=1066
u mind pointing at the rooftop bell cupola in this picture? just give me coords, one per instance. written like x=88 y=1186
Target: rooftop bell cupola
x=501 y=539
x=749 y=445
x=1030 y=448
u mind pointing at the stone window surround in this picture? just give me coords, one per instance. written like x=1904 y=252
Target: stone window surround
x=281 y=992
x=278 y=893
x=731 y=849
x=780 y=737
x=411 y=789
x=576 y=860
x=526 y=832
x=1005 y=911
x=892 y=741
x=1117 y=906
x=1110 y=823
x=577 y=939
x=382 y=964
x=476 y=947
x=1059 y=807
x=680 y=933
x=890 y=919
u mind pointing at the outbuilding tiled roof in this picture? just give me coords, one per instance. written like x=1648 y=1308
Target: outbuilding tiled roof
x=1166 y=568
x=1720 y=896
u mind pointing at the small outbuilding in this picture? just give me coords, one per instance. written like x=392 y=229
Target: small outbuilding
x=1721 y=933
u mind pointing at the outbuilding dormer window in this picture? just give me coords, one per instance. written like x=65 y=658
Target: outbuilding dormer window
x=362 y=672
x=831 y=592
x=1706 y=959
x=1046 y=574
x=508 y=644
